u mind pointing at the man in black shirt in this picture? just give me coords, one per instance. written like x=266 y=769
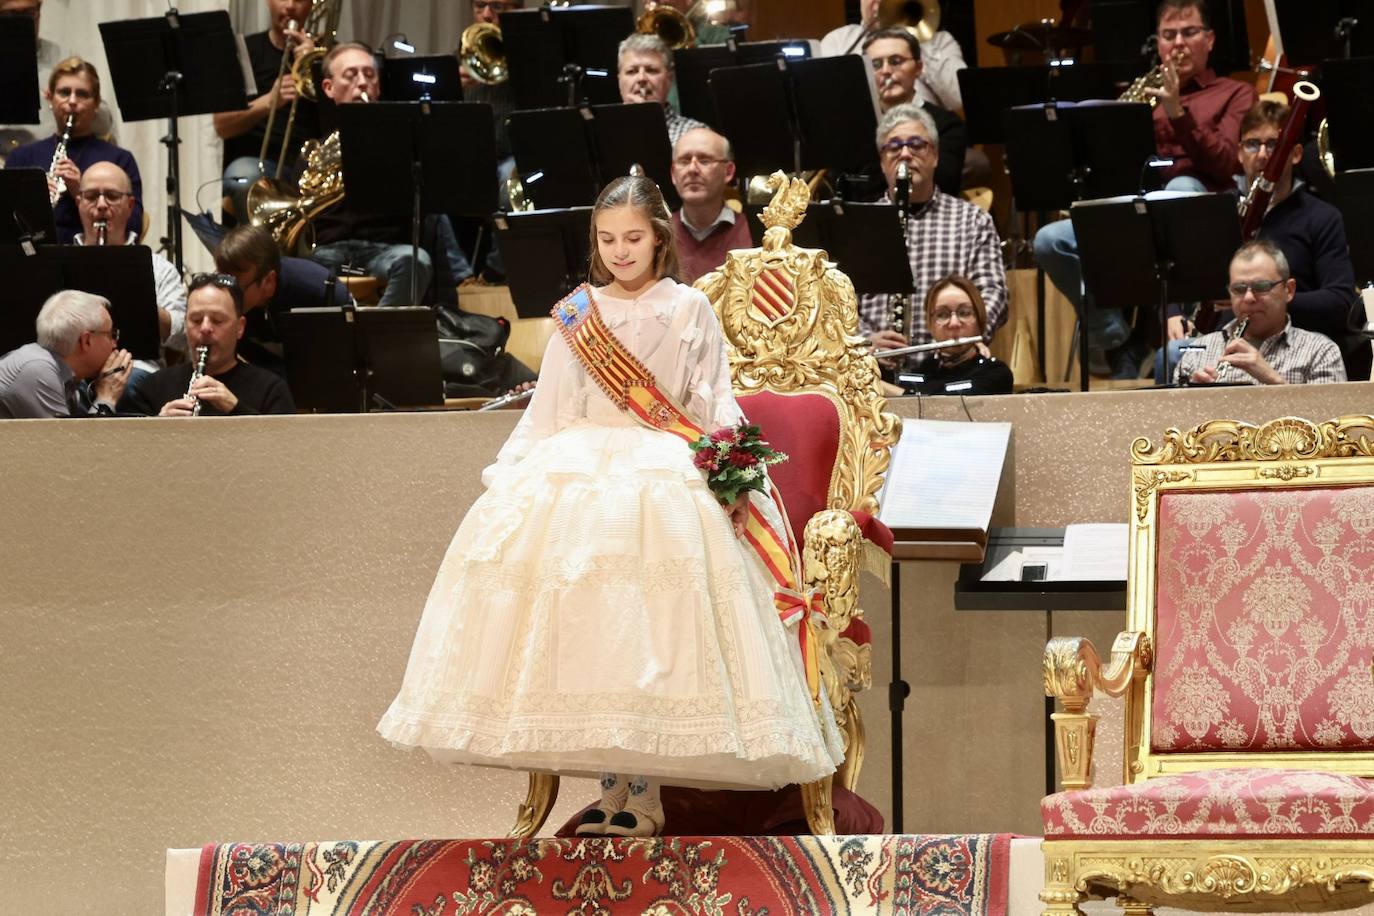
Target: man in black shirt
x=243 y=130
x=214 y=320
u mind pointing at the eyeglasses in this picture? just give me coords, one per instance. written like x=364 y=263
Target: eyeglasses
x=93 y=195
x=892 y=60
x=1258 y=287
x=944 y=316
x=1253 y=146
x=1188 y=32
x=705 y=162
x=113 y=334
x=224 y=281
x=895 y=146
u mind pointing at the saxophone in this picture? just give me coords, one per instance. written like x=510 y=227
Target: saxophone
x=202 y=353
x=58 y=154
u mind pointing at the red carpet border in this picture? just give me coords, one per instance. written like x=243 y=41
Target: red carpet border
x=958 y=875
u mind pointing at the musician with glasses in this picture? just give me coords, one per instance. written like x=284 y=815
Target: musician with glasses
x=77 y=343
x=895 y=57
x=244 y=130
x=706 y=228
x=938 y=81
x=1197 y=125
x=1261 y=346
x=229 y=386
x=74 y=92
x=954 y=310
x=945 y=235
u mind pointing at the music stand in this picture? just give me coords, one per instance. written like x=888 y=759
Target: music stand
x=1062 y=152
x=170 y=66
x=546 y=254
x=552 y=50
x=410 y=79
x=1355 y=199
x=18 y=71
x=1162 y=248
x=631 y=134
x=1348 y=91
x=989 y=91
x=123 y=274
x=439 y=158
x=347 y=360
x=1316 y=30
x=26 y=216
x=693 y=68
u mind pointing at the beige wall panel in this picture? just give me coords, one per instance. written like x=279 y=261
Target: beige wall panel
x=202 y=622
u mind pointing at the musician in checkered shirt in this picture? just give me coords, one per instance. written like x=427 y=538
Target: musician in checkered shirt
x=1269 y=351
x=945 y=235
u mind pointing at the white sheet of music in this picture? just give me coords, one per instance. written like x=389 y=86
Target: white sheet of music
x=1094 y=552
x=944 y=474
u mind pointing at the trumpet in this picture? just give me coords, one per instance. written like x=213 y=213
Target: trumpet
x=202 y=354
x=58 y=154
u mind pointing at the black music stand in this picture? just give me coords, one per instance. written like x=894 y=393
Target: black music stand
x=693 y=68
x=439 y=158
x=26 y=216
x=989 y=91
x=1157 y=249
x=122 y=274
x=18 y=71
x=1348 y=91
x=577 y=151
x=552 y=52
x=1355 y=199
x=799 y=115
x=1062 y=152
x=1316 y=30
x=546 y=254
x=411 y=79
x=347 y=360
x=170 y=66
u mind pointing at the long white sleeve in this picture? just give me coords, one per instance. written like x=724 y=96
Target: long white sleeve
x=941 y=60
x=559 y=399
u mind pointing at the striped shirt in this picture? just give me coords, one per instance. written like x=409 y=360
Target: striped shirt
x=945 y=236
x=1300 y=357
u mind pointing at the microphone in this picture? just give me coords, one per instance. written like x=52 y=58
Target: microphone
x=903 y=187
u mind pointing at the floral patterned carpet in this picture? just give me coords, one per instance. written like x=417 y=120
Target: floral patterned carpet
x=960 y=875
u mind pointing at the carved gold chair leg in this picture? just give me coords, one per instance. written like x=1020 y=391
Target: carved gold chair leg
x=543 y=792
x=847 y=774
x=1059 y=895
x=820 y=813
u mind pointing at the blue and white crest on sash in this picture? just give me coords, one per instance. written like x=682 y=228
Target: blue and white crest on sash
x=573 y=308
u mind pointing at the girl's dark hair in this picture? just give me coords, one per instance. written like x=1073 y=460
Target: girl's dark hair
x=644 y=196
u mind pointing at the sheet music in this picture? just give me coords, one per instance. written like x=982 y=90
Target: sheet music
x=1094 y=552
x=944 y=474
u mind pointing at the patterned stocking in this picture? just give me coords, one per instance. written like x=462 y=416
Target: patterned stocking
x=615 y=789
x=643 y=811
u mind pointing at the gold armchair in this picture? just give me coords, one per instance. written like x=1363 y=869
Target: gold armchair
x=1245 y=671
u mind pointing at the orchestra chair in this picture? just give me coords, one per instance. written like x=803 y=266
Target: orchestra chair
x=802 y=373
x=1245 y=673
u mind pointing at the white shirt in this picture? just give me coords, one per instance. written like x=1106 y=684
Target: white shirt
x=726 y=215
x=170 y=292
x=942 y=59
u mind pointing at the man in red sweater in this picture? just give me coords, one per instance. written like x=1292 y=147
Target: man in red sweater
x=703 y=165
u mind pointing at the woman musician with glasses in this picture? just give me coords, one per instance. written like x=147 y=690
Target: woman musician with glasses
x=955 y=311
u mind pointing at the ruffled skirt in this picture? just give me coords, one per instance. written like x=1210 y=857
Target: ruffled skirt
x=595 y=613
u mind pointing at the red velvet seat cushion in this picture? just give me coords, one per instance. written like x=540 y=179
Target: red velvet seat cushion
x=807 y=427
x=1267 y=803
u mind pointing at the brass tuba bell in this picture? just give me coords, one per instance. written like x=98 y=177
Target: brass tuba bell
x=481 y=51
x=669 y=23
x=919 y=17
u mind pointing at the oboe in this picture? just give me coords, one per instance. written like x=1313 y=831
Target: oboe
x=202 y=353
x=102 y=230
x=58 y=154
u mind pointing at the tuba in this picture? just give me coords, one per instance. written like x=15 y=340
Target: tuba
x=480 y=51
x=669 y=23
x=286 y=214
x=921 y=19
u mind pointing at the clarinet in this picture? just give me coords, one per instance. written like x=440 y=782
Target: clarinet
x=58 y=154
x=901 y=312
x=102 y=233
x=202 y=353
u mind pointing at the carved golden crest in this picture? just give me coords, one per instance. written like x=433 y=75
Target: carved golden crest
x=1284 y=439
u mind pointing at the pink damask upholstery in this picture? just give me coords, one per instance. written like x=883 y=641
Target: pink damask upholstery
x=1264 y=630
x=1214 y=803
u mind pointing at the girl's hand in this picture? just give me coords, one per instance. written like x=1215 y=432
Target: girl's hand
x=739 y=513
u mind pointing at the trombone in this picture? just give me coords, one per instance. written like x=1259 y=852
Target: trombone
x=322 y=22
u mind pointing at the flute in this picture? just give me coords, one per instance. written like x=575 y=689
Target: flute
x=509 y=397
x=927 y=347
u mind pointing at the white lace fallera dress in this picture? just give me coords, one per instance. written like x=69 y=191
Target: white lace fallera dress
x=595 y=612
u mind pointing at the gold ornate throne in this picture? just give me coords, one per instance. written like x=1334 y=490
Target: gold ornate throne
x=1245 y=672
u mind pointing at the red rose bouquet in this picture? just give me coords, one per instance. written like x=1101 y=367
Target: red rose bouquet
x=734 y=459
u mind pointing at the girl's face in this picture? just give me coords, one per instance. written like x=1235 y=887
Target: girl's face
x=625 y=240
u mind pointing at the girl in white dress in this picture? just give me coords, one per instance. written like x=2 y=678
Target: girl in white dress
x=596 y=612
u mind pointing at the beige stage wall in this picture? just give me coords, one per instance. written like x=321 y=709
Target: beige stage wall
x=203 y=620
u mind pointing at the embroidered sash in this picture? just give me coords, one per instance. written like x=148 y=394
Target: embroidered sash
x=632 y=388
